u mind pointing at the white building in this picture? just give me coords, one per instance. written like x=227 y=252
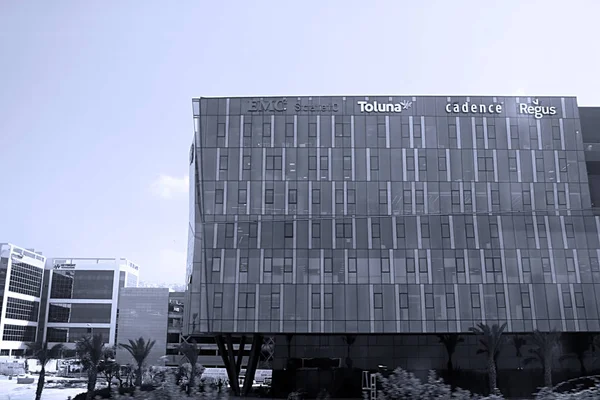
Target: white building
x=83 y=294
x=21 y=280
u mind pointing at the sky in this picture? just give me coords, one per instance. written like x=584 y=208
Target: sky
x=95 y=96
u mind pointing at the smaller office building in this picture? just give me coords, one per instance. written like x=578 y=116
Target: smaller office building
x=82 y=297
x=21 y=277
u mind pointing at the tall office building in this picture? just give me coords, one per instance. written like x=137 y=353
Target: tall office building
x=388 y=215
x=21 y=276
x=83 y=295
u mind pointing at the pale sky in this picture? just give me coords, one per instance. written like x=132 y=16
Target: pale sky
x=95 y=99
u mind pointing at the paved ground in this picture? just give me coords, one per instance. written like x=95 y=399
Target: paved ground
x=10 y=390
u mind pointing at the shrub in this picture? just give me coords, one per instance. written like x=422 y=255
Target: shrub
x=592 y=393
x=403 y=385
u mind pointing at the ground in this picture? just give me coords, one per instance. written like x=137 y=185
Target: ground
x=10 y=390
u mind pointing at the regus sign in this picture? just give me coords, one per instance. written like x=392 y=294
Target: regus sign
x=535 y=109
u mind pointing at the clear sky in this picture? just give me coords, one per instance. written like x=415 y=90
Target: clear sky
x=95 y=96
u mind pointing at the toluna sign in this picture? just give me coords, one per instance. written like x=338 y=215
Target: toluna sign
x=467 y=108
x=384 y=107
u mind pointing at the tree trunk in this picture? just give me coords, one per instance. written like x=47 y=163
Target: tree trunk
x=40 y=384
x=449 y=366
x=192 y=380
x=492 y=373
x=138 y=378
x=91 y=387
x=548 y=371
x=582 y=369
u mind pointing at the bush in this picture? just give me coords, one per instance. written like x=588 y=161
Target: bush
x=403 y=385
x=592 y=393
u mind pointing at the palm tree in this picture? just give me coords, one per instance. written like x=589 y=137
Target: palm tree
x=190 y=352
x=349 y=340
x=519 y=341
x=546 y=344
x=450 y=341
x=139 y=350
x=577 y=346
x=491 y=341
x=91 y=351
x=43 y=354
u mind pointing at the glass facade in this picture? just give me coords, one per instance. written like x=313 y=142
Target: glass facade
x=390 y=214
x=25 y=279
x=82 y=284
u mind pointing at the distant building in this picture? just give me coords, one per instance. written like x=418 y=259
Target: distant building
x=83 y=295
x=21 y=276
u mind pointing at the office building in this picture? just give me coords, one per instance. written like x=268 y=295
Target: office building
x=83 y=295
x=388 y=218
x=21 y=275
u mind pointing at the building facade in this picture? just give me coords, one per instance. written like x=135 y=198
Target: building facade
x=83 y=296
x=393 y=215
x=21 y=278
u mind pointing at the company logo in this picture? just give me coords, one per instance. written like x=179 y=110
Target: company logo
x=64 y=266
x=268 y=105
x=535 y=109
x=384 y=107
x=334 y=107
x=467 y=107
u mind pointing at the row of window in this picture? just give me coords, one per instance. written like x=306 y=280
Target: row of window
x=26 y=279
x=349 y=197
x=18 y=333
x=248 y=299
x=23 y=310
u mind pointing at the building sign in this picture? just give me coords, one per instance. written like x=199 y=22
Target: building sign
x=384 y=107
x=268 y=105
x=333 y=107
x=536 y=109
x=64 y=266
x=470 y=108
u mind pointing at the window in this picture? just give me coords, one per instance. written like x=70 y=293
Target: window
x=470 y=229
x=400 y=230
x=316 y=230
x=289 y=230
x=352 y=265
x=442 y=163
x=425 y=230
x=312 y=130
x=475 y=300
x=542 y=230
x=382 y=196
x=525 y=300
x=417 y=130
x=328 y=265
x=18 y=333
x=324 y=163
x=328 y=300
x=375 y=231
x=570 y=231
x=351 y=196
x=428 y=300
x=229 y=228
x=512 y=164
x=216 y=264
x=446 y=230
x=292 y=196
x=218 y=299
x=268 y=265
x=452 y=131
x=266 y=130
x=467 y=197
x=529 y=230
x=381 y=129
x=339 y=196
x=410 y=163
x=269 y=196
x=450 y=303
x=410 y=264
x=491 y=132
x=419 y=197
x=539 y=164
x=495 y=197
x=378 y=300
x=407 y=196
x=246 y=161
x=288 y=264
x=223 y=163
x=273 y=163
x=347 y=163
x=242 y=196
x=403 y=299
x=220 y=129
x=460 y=264
x=312 y=163
x=246 y=300
x=343 y=230
x=579 y=303
x=422 y=163
x=485 y=164
x=316 y=196
x=243 y=264
x=423 y=264
x=494 y=230
x=385 y=265
x=316 y=300
x=526 y=265
x=500 y=299
x=566 y=297
x=275 y=299
x=374 y=163
x=289 y=130
x=570 y=264
x=219 y=196
x=26 y=310
x=562 y=198
x=253 y=229
x=549 y=198
x=248 y=130
x=526 y=198
x=455 y=197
